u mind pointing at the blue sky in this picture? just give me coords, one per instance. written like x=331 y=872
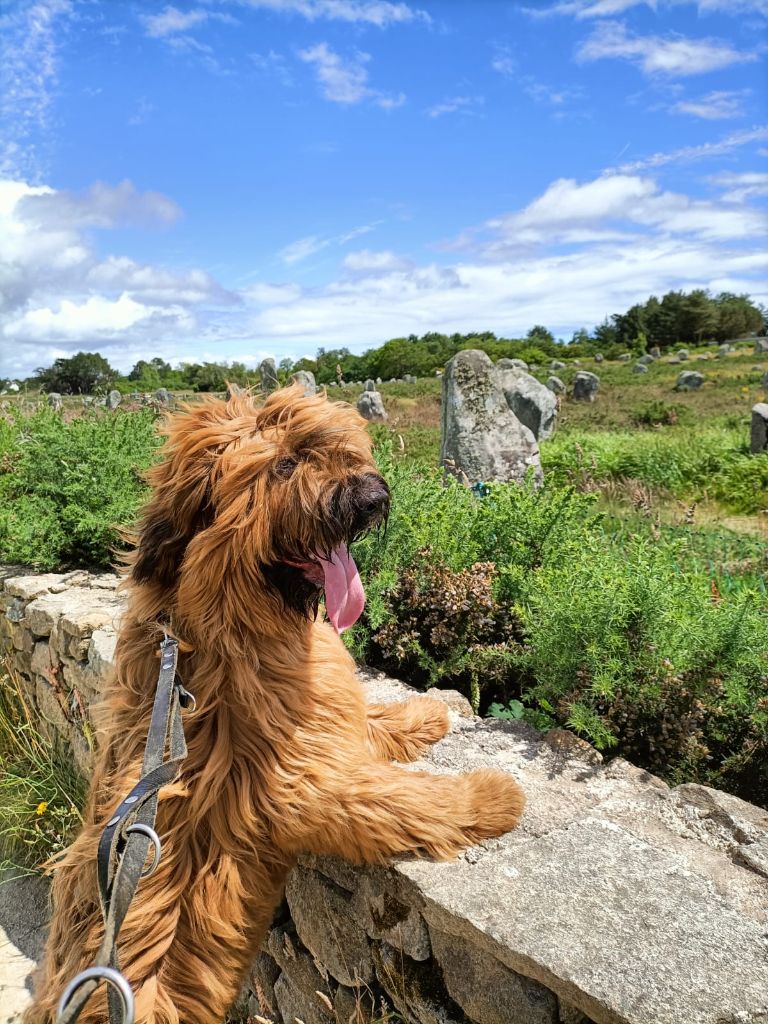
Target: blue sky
x=229 y=179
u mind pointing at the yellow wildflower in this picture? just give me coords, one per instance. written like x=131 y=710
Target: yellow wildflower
x=41 y=808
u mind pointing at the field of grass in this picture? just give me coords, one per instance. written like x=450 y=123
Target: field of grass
x=626 y=600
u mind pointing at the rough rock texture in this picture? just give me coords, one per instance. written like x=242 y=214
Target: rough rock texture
x=114 y=398
x=761 y=346
x=307 y=380
x=647 y=359
x=482 y=439
x=759 y=438
x=689 y=380
x=556 y=364
x=599 y=357
x=513 y=364
x=163 y=396
x=555 y=384
x=268 y=372
x=533 y=403
x=585 y=386
x=370 y=385
x=54 y=400
x=682 y=354
x=619 y=900
x=640 y=368
x=370 y=405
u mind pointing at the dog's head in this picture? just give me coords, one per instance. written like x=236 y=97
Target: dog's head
x=260 y=501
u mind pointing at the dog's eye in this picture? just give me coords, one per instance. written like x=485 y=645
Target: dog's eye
x=284 y=467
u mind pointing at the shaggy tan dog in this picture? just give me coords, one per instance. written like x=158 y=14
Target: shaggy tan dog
x=249 y=522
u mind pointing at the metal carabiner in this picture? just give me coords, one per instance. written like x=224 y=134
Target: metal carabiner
x=152 y=836
x=112 y=977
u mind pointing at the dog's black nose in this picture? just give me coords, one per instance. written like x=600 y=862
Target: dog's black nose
x=370 y=500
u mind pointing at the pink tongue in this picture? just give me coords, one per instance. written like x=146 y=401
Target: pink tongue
x=344 y=594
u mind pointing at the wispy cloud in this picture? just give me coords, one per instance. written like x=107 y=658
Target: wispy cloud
x=748 y=185
x=704 y=151
x=346 y=82
x=30 y=39
x=610 y=8
x=456 y=105
x=655 y=55
x=715 y=106
x=303 y=248
x=172 y=21
x=371 y=12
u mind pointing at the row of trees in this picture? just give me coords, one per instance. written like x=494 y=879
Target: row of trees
x=675 y=319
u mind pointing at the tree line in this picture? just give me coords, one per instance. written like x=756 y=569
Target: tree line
x=678 y=318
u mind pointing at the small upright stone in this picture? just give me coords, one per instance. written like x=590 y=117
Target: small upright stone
x=533 y=403
x=640 y=368
x=114 y=398
x=689 y=380
x=512 y=364
x=370 y=385
x=268 y=372
x=482 y=439
x=683 y=354
x=647 y=359
x=54 y=400
x=556 y=364
x=761 y=346
x=625 y=357
x=585 y=386
x=307 y=380
x=599 y=357
x=759 y=440
x=163 y=397
x=724 y=350
x=655 y=352
x=555 y=385
x=371 y=407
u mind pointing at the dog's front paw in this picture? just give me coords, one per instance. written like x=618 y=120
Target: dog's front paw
x=435 y=721
x=496 y=804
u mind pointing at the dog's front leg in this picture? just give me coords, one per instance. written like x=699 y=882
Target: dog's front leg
x=402 y=732
x=379 y=811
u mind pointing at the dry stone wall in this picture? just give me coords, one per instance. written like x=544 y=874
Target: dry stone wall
x=618 y=901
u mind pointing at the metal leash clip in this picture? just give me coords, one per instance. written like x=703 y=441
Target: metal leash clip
x=111 y=977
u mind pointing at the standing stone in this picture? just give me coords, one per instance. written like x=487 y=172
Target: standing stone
x=268 y=372
x=556 y=365
x=683 y=354
x=655 y=352
x=625 y=357
x=689 y=380
x=482 y=439
x=556 y=385
x=585 y=386
x=409 y=378
x=533 y=403
x=307 y=380
x=599 y=357
x=647 y=359
x=640 y=368
x=370 y=385
x=163 y=397
x=723 y=350
x=54 y=400
x=764 y=382
x=759 y=441
x=378 y=381
x=512 y=364
x=371 y=407
x=114 y=398
x=761 y=346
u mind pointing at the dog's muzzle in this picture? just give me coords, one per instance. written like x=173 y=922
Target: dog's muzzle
x=369 y=501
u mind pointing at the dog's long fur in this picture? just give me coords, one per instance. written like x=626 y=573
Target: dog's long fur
x=284 y=754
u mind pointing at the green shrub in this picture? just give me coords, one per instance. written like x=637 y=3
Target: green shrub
x=66 y=486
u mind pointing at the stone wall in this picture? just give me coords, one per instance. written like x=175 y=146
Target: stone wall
x=618 y=899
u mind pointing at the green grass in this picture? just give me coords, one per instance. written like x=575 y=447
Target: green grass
x=40 y=793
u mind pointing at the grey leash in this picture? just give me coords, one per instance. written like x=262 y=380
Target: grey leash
x=126 y=841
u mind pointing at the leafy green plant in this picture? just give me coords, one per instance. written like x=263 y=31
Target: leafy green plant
x=40 y=793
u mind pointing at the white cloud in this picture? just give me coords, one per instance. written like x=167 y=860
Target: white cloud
x=690 y=153
x=346 y=82
x=715 y=106
x=747 y=185
x=609 y=8
x=302 y=248
x=371 y=12
x=29 y=58
x=100 y=206
x=366 y=261
x=456 y=104
x=95 y=317
x=671 y=56
x=172 y=20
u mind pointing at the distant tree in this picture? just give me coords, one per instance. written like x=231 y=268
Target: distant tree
x=580 y=337
x=737 y=316
x=538 y=335
x=81 y=374
x=699 y=316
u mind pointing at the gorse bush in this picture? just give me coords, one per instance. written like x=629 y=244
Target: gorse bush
x=530 y=600
x=66 y=486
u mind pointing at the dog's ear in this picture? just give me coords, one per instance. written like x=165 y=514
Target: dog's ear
x=168 y=525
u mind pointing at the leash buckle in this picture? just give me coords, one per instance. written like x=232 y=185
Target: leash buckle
x=111 y=977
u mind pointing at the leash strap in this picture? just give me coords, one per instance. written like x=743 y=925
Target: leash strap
x=125 y=843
